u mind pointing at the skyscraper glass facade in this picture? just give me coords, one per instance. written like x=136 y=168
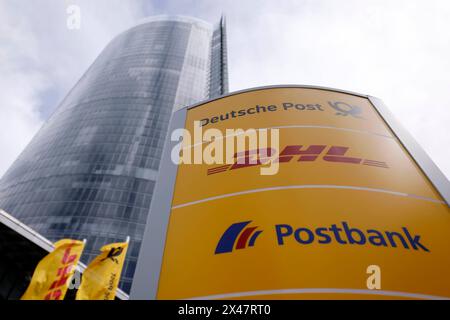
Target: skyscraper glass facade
x=91 y=169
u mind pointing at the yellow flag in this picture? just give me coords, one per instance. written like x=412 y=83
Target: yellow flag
x=101 y=277
x=50 y=278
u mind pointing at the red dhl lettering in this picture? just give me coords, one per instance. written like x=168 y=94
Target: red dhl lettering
x=297 y=153
x=68 y=260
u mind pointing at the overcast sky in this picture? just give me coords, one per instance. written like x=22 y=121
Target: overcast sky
x=396 y=50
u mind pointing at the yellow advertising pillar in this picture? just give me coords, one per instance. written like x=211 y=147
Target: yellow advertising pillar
x=350 y=192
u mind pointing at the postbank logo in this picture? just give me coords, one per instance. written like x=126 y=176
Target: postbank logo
x=245 y=237
x=341 y=233
x=296 y=153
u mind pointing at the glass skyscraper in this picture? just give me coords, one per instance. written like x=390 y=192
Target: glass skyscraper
x=91 y=169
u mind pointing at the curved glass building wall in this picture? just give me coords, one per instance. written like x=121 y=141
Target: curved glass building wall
x=90 y=170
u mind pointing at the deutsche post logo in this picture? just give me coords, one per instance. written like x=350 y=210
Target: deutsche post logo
x=344 y=109
x=113 y=254
x=244 y=238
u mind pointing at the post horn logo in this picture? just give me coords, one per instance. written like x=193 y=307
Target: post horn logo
x=113 y=253
x=246 y=239
x=344 y=109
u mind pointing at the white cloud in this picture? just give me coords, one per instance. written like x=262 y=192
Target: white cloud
x=20 y=87
x=396 y=50
x=40 y=54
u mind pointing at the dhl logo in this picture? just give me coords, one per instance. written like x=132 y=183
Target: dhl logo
x=298 y=153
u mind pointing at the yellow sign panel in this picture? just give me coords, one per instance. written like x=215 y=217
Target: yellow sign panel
x=312 y=258
x=335 y=157
x=347 y=197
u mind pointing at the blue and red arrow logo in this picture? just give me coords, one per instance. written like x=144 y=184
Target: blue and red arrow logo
x=244 y=238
